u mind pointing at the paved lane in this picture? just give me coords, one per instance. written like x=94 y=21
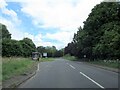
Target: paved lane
x=68 y=74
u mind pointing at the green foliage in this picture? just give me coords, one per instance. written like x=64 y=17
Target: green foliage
x=41 y=49
x=16 y=48
x=51 y=51
x=69 y=57
x=58 y=53
x=4 y=32
x=110 y=41
x=12 y=47
x=29 y=42
x=100 y=36
x=46 y=59
x=27 y=46
x=15 y=66
x=108 y=63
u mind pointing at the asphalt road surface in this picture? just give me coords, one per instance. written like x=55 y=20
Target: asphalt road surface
x=71 y=74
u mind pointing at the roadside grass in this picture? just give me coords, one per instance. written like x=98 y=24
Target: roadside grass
x=69 y=57
x=46 y=59
x=15 y=66
x=107 y=63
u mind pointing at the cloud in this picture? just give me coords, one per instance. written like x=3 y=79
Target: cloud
x=62 y=37
x=59 y=13
x=37 y=39
x=65 y=15
x=2 y=4
x=10 y=21
x=12 y=15
x=16 y=33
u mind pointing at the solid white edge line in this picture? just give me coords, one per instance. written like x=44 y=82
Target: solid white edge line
x=72 y=66
x=92 y=80
x=38 y=67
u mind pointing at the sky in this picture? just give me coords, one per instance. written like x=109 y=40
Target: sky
x=46 y=22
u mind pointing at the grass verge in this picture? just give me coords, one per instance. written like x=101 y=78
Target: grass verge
x=69 y=57
x=46 y=59
x=111 y=64
x=15 y=66
x=107 y=63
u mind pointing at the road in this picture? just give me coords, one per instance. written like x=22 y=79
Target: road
x=71 y=74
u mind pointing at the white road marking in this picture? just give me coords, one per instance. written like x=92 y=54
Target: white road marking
x=72 y=66
x=38 y=68
x=92 y=80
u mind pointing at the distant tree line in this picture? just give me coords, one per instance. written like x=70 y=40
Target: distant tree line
x=100 y=36
x=51 y=51
x=24 y=48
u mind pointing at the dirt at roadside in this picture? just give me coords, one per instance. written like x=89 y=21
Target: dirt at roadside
x=17 y=80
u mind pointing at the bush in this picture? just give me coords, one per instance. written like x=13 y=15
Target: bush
x=69 y=57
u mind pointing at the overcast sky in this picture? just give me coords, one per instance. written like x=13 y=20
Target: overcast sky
x=46 y=22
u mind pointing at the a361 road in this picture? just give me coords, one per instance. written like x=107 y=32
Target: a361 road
x=71 y=74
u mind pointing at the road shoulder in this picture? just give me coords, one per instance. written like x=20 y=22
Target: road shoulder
x=17 y=80
x=103 y=67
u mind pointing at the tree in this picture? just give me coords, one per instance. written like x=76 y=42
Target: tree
x=41 y=49
x=5 y=33
x=49 y=50
x=100 y=35
x=12 y=47
x=27 y=46
x=58 y=53
x=110 y=41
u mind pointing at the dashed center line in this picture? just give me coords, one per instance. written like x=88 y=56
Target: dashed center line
x=72 y=66
x=92 y=80
x=81 y=74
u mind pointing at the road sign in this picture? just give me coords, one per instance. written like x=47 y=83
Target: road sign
x=45 y=54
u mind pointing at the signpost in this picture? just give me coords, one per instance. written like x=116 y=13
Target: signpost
x=45 y=55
